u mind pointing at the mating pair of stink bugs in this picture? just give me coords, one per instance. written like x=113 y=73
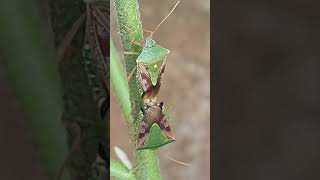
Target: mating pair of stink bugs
x=154 y=130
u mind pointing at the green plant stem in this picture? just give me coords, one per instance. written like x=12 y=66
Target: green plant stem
x=29 y=62
x=119 y=82
x=131 y=31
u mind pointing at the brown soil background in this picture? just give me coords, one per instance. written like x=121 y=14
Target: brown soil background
x=185 y=90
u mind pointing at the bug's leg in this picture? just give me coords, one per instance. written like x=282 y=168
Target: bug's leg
x=142 y=109
x=148 y=31
x=161 y=104
x=179 y=162
x=137 y=43
x=131 y=73
x=130 y=53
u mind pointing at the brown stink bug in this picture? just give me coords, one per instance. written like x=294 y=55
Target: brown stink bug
x=154 y=130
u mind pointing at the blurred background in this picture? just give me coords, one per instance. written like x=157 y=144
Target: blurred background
x=19 y=158
x=266 y=90
x=186 y=86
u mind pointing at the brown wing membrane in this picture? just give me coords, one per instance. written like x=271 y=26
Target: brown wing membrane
x=165 y=128
x=143 y=132
x=150 y=91
x=144 y=77
x=163 y=66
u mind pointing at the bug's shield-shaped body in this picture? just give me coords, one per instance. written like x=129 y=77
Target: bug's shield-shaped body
x=154 y=130
x=150 y=91
x=151 y=64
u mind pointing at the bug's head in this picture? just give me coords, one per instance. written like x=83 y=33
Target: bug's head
x=149 y=42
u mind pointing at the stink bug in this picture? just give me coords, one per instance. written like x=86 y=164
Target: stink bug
x=154 y=130
x=151 y=63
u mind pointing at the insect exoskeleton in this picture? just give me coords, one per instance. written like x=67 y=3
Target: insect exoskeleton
x=151 y=64
x=154 y=130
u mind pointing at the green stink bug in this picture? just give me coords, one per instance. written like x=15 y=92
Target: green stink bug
x=154 y=130
x=150 y=68
x=151 y=63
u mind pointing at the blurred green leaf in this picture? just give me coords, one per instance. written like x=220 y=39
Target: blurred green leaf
x=123 y=157
x=119 y=170
x=119 y=82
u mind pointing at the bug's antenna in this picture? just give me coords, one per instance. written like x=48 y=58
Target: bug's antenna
x=174 y=7
x=180 y=162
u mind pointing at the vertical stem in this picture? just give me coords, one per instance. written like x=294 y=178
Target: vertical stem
x=119 y=82
x=34 y=76
x=131 y=31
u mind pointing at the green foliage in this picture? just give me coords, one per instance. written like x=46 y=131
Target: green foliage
x=120 y=171
x=119 y=82
x=123 y=157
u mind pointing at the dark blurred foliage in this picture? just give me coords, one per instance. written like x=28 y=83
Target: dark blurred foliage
x=266 y=90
